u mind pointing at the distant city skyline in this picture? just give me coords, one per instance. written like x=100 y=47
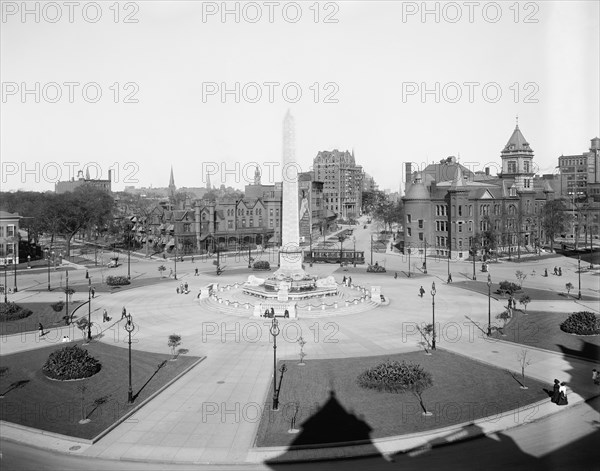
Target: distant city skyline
x=391 y=85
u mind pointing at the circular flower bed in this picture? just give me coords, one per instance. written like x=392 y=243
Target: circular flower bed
x=375 y=269
x=71 y=362
x=262 y=265
x=12 y=312
x=582 y=323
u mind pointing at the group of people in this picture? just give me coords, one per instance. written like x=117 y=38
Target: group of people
x=558 y=271
x=183 y=288
x=559 y=393
x=347 y=280
x=271 y=313
x=512 y=303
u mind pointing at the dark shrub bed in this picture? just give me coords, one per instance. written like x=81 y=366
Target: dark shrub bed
x=582 y=323
x=509 y=287
x=262 y=265
x=71 y=362
x=375 y=269
x=12 y=312
x=117 y=280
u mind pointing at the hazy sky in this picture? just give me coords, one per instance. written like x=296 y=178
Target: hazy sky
x=361 y=68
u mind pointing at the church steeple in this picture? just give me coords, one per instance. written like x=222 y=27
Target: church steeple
x=208 y=187
x=172 y=187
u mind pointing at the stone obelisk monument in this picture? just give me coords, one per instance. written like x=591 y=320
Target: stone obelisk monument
x=290 y=253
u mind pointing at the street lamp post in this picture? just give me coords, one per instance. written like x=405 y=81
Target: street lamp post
x=89 y=326
x=433 y=312
x=5 y=286
x=371 y=249
x=67 y=297
x=489 y=284
x=15 y=261
x=354 y=250
x=249 y=255
x=129 y=326
x=449 y=252
x=48 y=259
x=275 y=332
x=579 y=274
x=175 y=240
x=409 y=261
x=473 y=252
x=128 y=253
x=425 y=262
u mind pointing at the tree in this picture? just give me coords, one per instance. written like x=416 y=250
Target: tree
x=388 y=213
x=524 y=361
x=142 y=210
x=392 y=376
x=504 y=317
x=488 y=239
x=174 y=342
x=161 y=270
x=555 y=219
x=520 y=277
x=525 y=300
x=83 y=208
x=427 y=333
x=569 y=287
x=82 y=324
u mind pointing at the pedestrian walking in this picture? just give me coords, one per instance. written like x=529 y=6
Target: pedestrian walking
x=344 y=280
x=104 y=316
x=595 y=376
x=559 y=271
x=186 y=286
x=555 y=271
x=123 y=313
x=395 y=275
x=562 y=394
x=93 y=293
x=546 y=272
x=421 y=291
x=41 y=329
x=192 y=259
x=555 y=392
x=349 y=281
x=196 y=272
x=170 y=272
x=449 y=277
x=272 y=312
x=177 y=289
x=199 y=294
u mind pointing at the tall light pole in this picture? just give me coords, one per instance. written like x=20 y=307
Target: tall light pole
x=249 y=255
x=89 y=326
x=489 y=284
x=15 y=261
x=449 y=254
x=473 y=252
x=275 y=332
x=433 y=312
x=372 y=249
x=425 y=262
x=48 y=259
x=129 y=326
x=175 y=240
x=67 y=297
x=579 y=274
x=5 y=286
x=354 y=250
x=128 y=253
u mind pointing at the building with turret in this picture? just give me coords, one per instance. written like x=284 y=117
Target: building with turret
x=446 y=205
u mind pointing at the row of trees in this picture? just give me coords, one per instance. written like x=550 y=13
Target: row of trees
x=85 y=209
x=378 y=205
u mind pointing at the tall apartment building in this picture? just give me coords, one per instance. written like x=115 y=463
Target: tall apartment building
x=342 y=182
x=580 y=174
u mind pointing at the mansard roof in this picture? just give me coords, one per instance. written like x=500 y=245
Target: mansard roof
x=517 y=143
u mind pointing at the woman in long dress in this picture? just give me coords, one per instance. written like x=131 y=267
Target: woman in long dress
x=555 y=392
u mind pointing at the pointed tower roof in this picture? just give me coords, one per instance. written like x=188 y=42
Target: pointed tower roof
x=517 y=143
x=87 y=173
x=458 y=183
x=208 y=186
x=171 y=179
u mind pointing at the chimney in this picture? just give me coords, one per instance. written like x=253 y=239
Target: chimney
x=408 y=172
x=487 y=171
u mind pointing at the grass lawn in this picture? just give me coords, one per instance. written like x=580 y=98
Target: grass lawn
x=534 y=293
x=542 y=329
x=41 y=312
x=463 y=390
x=56 y=406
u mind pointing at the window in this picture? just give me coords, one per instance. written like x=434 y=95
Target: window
x=408 y=218
x=470 y=210
x=230 y=224
x=460 y=210
x=512 y=166
x=470 y=226
x=420 y=223
x=526 y=166
x=244 y=222
x=271 y=213
x=409 y=231
x=420 y=236
x=460 y=225
x=1 y=231
x=271 y=222
x=251 y=222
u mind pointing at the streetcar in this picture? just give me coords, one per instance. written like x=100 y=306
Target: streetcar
x=334 y=256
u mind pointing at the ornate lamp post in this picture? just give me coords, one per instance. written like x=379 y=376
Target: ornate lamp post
x=473 y=253
x=5 y=285
x=354 y=250
x=249 y=255
x=15 y=262
x=409 y=261
x=48 y=260
x=128 y=253
x=489 y=284
x=275 y=332
x=67 y=297
x=433 y=311
x=372 y=250
x=449 y=254
x=89 y=326
x=579 y=274
x=425 y=262
x=129 y=326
